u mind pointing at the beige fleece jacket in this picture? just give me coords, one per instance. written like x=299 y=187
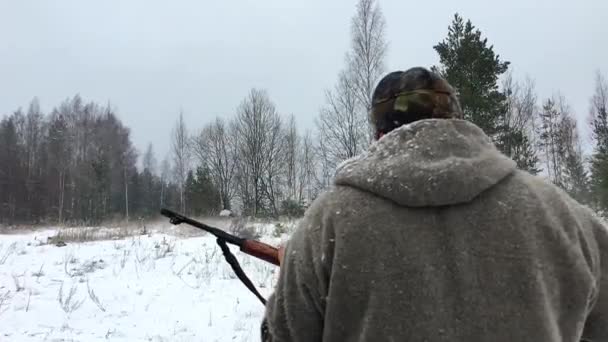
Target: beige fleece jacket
x=433 y=235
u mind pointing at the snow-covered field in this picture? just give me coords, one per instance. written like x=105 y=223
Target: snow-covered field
x=156 y=287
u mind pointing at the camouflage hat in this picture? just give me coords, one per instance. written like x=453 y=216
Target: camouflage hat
x=402 y=97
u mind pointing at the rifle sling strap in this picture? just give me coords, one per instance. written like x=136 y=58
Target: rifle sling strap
x=231 y=259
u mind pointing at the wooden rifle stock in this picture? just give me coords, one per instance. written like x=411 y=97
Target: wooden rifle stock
x=261 y=250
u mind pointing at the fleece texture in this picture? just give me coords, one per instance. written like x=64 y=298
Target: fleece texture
x=433 y=235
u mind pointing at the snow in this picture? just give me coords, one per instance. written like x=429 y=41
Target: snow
x=225 y=213
x=156 y=287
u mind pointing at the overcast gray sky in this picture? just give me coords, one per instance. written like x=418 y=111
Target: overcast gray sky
x=151 y=58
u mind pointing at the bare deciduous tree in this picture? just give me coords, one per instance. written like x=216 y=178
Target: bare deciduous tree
x=215 y=148
x=149 y=161
x=521 y=103
x=258 y=131
x=368 y=50
x=274 y=164
x=561 y=146
x=33 y=135
x=343 y=123
x=165 y=174
x=342 y=130
x=32 y=143
x=292 y=146
x=307 y=166
x=129 y=158
x=518 y=138
x=181 y=157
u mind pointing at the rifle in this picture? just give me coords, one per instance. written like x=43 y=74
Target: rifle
x=254 y=248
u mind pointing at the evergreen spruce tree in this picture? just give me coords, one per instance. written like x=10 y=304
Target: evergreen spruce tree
x=473 y=68
x=201 y=193
x=524 y=153
x=191 y=194
x=550 y=144
x=599 y=159
x=560 y=143
x=575 y=176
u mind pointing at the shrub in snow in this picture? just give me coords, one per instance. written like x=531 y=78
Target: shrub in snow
x=279 y=229
x=164 y=248
x=226 y=213
x=240 y=228
x=284 y=229
x=6 y=253
x=38 y=274
x=94 y=298
x=4 y=299
x=249 y=233
x=292 y=208
x=68 y=302
x=18 y=285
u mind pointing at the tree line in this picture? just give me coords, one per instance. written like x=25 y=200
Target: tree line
x=77 y=163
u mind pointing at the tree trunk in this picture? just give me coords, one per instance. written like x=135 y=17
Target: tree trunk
x=61 y=195
x=126 y=195
x=162 y=188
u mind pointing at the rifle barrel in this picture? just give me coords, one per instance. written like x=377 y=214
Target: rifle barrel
x=176 y=218
x=254 y=248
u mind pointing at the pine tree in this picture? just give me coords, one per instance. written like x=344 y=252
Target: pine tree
x=202 y=195
x=549 y=135
x=599 y=159
x=150 y=184
x=575 y=176
x=209 y=194
x=10 y=170
x=136 y=195
x=560 y=142
x=59 y=151
x=473 y=68
x=524 y=153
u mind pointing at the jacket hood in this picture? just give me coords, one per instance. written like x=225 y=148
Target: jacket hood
x=433 y=162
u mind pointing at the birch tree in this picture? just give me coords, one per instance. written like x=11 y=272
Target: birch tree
x=181 y=157
x=366 y=58
x=343 y=124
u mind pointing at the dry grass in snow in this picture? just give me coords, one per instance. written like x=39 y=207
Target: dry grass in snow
x=127 y=286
